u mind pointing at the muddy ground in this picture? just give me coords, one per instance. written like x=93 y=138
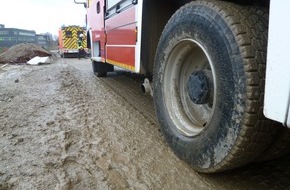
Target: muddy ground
x=63 y=128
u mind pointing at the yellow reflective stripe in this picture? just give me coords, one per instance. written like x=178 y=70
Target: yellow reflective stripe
x=125 y=66
x=71 y=42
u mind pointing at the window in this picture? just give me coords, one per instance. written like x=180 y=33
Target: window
x=111 y=3
x=41 y=38
x=25 y=39
x=68 y=34
x=4 y=32
x=117 y=6
x=26 y=34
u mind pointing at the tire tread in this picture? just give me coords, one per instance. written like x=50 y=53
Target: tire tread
x=251 y=35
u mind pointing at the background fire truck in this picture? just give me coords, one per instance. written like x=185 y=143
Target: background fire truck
x=68 y=37
x=214 y=84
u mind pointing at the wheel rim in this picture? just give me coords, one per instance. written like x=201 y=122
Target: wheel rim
x=189 y=87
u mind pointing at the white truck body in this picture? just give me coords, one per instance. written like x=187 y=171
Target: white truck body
x=277 y=90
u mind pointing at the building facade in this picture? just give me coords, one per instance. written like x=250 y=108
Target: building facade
x=43 y=40
x=13 y=36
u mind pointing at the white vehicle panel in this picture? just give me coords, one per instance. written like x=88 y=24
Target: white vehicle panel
x=277 y=90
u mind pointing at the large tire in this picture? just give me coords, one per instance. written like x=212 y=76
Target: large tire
x=100 y=69
x=208 y=85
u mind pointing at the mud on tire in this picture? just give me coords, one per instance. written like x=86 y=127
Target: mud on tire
x=208 y=85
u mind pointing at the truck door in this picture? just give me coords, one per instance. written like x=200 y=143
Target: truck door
x=96 y=29
x=122 y=48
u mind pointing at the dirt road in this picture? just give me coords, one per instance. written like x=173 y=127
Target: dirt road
x=63 y=128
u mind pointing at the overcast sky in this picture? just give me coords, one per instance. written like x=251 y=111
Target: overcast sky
x=41 y=15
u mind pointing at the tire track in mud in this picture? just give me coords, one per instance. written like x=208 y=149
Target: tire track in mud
x=134 y=155
x=40 y=106
x=74 y=131
x=107 y=157
x=144 y=169
x=79 y=144
x=101 y=132
x=130 y=90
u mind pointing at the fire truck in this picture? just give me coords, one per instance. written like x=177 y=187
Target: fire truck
x=68 y=37
x=218 y=71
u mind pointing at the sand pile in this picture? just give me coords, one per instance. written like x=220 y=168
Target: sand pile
x=22 y=53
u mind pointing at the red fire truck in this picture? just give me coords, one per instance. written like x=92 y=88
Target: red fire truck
x=216 y=89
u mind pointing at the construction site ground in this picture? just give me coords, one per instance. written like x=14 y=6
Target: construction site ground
x=63 y=128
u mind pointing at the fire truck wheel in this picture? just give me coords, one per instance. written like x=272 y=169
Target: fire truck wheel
x=97 y=71
x=208 y=85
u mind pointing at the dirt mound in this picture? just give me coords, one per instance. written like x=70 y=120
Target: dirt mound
x=22 y=53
